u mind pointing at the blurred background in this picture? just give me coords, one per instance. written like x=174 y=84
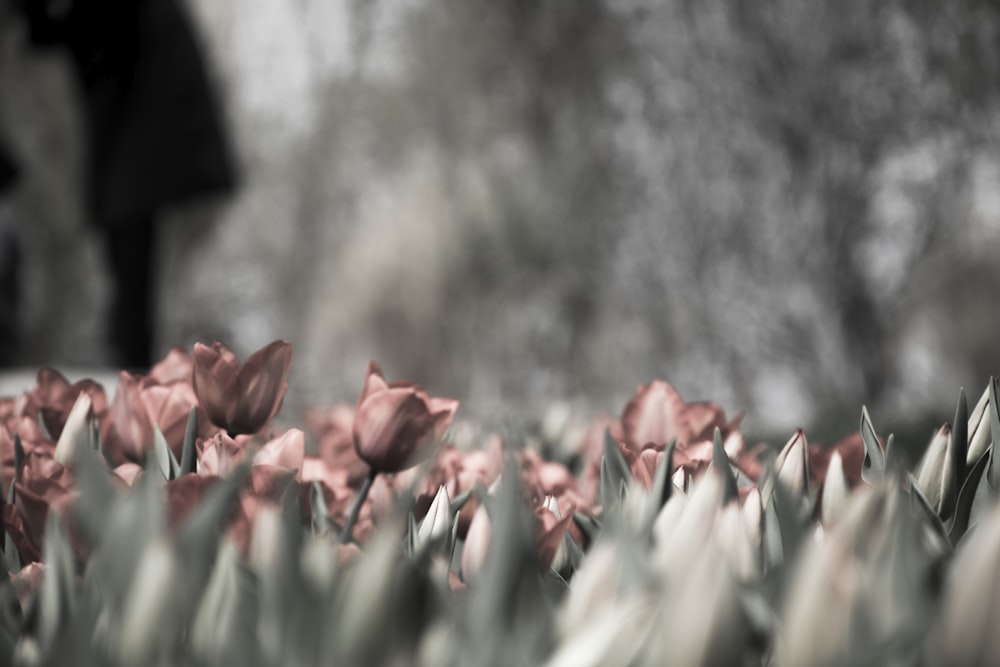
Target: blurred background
x=789 y=208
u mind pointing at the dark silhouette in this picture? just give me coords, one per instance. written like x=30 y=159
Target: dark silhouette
x=10 y=261
x=8 y=168
x=155 y=136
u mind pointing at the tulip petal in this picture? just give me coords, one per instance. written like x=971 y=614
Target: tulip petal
x=652 y=415
x=374 y=382
x=263 y=381
x=216 y=379
x=390 y=428
x=286 y=451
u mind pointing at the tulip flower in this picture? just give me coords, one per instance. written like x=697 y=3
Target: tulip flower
x=657 y=414
x=43 y=484
x=241 y=398
x=127 y=432
x=477 y=542
x=836 y=492
x=979 y=428
x=176 y=366
x=793 y=464
x=285 y=451
x=551 y=527
x=437 y=522
x=936 y=477
x=53 y=397
x=140 y=405
x=394 y=423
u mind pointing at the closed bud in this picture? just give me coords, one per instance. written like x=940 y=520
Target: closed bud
x=793 y=464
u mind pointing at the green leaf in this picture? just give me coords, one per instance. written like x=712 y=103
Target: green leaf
x=555 y=587
x=411 y=535
x=574 y=554
x=58 y=588
x=11 y=620
x=784 y=519
x=791 y=513
x=873 y=468
x=720 y=461
x=960 y=446
x=198 y=537
x=994 y=474
x=459 y=501
x=663 y=484
x=773 y=551
x=96 y=494
x=588 y=525
x=189 y=462
x=222 y=630
x=452 y=539
x=12 y=560
x=508 y=596
x=18 y=459
x=95 y=433
x=959 y=523
x=164 y=457
x=321 y=523
x=615 y=473
x=918 y=498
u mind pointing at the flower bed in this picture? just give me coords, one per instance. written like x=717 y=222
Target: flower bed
x=171 y=526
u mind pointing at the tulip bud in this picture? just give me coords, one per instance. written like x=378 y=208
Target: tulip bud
x=793 y=464
x=437 y=523
x=477 y=542
x=967 y=634
x=836 y=491
x=735 y=542
x=936 y=477
x=595 y=586
x=76 y=430
x=701 y=622
x=394 y=424
x=552 y=533
x=613 y=636
x=753 y=516
x=266 y=538
x=692 y=531
x=146 y=604
x=667 y=520
x=216 y=620
x=821 y=603
x=979 y=429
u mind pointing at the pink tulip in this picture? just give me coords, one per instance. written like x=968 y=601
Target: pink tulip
x=53 y=397
x=395 y=423
x=285 y=451
x=241 y=399
x=657 y=414
x=127 y=432
x=176 y=366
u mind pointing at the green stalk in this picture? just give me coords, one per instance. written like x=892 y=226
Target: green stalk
x=359 y=500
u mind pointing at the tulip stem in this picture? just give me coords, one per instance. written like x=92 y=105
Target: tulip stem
x=359 y=500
